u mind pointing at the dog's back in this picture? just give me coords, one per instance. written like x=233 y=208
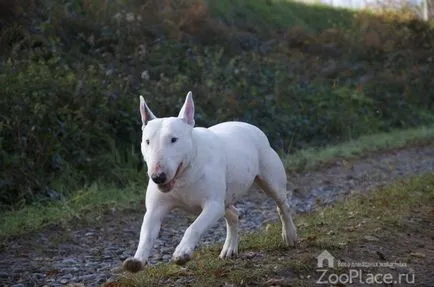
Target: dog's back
x=247 y=151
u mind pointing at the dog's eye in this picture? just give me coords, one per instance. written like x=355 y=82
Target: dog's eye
x=173 y=140
x=147 y=142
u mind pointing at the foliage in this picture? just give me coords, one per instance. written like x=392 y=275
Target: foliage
x=71 y=72
x=59 y=123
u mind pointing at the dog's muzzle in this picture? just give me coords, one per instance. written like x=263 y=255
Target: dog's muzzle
x=166 y=187
x=159 y=178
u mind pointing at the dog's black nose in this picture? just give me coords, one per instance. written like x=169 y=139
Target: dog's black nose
x=159 y=178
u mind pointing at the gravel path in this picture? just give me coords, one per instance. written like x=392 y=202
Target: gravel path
x=58 y=256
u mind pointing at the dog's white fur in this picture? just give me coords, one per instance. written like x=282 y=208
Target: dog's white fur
x=207 y=171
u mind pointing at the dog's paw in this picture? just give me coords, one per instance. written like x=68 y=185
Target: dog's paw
x=133 y=265
x=181 y=260
x=182 y=254
x=229 y=251
x=289 y=239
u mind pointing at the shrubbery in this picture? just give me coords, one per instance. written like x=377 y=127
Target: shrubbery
x=72 y=74
x=58 y=123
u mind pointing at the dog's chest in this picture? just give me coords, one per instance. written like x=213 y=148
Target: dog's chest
x=188 y=197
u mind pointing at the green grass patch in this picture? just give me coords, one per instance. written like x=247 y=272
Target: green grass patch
x=314 y=157
x=262 y=16
x=333 y=228
x=86 y=204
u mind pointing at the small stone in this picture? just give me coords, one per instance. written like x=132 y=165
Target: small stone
x=402 y=270
x=4 y=275
x=71 y=269
x=124 y=256
x=249 y=255
x=130 y=17
x=37 y=276
x=67 y=276
x=69 y=261
x=145 y=75
x=89 y=277
x=371 y=238
x=64 y=281
x=381 y=255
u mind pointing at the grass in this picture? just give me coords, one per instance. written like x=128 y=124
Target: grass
x=349 y=230
x=92 y=202
x=272 y=15
x=311 y=158
x=86 y=204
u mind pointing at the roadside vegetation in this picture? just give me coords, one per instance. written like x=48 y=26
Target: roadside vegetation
x=386 y=225
x=90 y=203
x=313 y=158
x=309 y=76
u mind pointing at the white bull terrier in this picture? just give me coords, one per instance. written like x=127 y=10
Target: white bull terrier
x=204 y=171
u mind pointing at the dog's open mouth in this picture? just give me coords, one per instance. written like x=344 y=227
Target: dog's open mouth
x=166 y=187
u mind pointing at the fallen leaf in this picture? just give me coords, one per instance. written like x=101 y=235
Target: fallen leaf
x=418 y=254
x=311 y=237
x=52 y=272
x=302 y=224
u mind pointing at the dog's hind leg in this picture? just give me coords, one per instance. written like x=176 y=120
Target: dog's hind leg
x=272 y=180
x=230 y=248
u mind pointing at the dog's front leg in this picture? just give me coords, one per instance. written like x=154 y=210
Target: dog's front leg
x=209 y=216
x=148 y=233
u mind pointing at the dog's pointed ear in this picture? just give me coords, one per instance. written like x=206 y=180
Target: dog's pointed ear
x=187 y=110
x=145 y=112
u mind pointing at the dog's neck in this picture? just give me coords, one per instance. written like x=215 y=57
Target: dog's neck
x=192 y=157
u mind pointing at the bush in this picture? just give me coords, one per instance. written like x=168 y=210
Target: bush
x=72 y=71
x=57 y=122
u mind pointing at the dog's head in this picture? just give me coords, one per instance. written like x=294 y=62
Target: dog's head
x=167 y=144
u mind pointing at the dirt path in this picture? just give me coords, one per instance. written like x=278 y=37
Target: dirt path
x=86 y=253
